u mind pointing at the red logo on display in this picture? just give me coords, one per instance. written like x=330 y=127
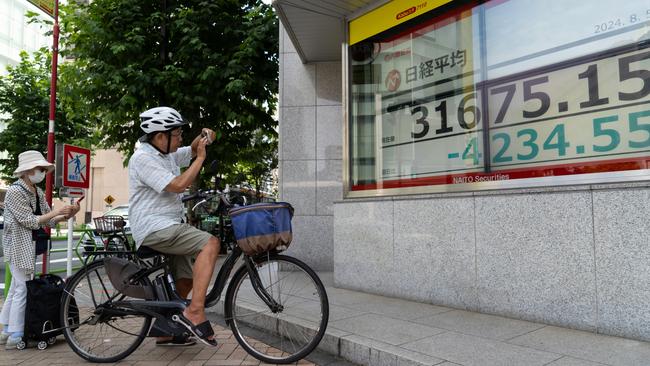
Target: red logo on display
x=393 y=80
x=397 y=54
x=406 y=12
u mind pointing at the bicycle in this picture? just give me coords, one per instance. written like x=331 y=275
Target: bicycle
x=270 y=295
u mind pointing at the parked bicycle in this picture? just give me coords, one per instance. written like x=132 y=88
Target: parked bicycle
x=275 y=305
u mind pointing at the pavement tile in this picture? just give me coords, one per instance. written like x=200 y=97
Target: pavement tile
x=588 y=346
x=365 y=351
x=570 y=361
x=385 y=329
x=475 y=351
x=480 y=325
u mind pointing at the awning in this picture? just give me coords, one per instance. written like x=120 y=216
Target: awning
x=317 y=27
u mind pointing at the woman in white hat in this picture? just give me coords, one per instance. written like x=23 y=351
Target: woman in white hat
x=21 y=217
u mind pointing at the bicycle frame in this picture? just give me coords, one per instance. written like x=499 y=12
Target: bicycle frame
x=159 y=308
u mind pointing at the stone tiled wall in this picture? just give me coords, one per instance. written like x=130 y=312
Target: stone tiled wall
x=310 y=151
x=576 y=257
x=569 y=256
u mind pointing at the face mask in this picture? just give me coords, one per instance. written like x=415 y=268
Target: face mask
x=38 y=177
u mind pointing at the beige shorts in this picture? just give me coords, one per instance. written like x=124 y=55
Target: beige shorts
x=182 y=242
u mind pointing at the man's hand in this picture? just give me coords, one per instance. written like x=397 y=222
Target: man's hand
x=209 y=134
x=200 y=148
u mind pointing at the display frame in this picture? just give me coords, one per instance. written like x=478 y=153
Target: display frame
x=624 y=176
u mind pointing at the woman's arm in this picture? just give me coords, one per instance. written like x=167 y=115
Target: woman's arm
x=59 y=215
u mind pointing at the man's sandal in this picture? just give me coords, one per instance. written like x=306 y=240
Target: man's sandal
x=202 y=331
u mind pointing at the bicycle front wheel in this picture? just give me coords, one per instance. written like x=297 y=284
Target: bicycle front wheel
x=94 y=328
x=295 y=327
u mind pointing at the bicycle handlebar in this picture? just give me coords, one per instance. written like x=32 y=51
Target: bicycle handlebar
x=206 y=196
x=190 y=197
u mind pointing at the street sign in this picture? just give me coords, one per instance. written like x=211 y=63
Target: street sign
x=45 y=5
x=76 y=166
x=109 y=200
x=72 y=192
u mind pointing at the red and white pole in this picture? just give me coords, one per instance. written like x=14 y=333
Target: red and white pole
x=50 y=131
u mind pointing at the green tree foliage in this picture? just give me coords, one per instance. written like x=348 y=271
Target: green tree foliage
x=215 y=61
x=25 y=103
x=258 y=156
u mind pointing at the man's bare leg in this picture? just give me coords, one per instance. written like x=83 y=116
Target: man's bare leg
x=184 y=286
x=202 y=273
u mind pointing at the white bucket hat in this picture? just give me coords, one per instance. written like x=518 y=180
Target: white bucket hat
x=29 y=160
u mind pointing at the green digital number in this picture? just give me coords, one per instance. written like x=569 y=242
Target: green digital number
x=613 y=135
x=499 y=158
x=471 y=151
x=534 y=149
x=561 y=144
x=636 y=126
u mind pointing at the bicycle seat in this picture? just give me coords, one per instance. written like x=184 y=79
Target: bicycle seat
x=145 y=252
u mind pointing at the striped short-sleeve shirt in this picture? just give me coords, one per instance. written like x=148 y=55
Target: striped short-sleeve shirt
x=151 y=208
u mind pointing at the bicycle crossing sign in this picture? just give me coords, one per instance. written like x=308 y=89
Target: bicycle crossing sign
x=76 y=166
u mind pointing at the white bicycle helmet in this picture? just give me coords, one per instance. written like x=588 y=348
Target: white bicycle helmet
x=160 y=119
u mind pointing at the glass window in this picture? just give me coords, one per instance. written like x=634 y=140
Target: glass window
x=501 y=91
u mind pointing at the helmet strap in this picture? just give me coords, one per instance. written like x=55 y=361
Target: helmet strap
x=169 y=141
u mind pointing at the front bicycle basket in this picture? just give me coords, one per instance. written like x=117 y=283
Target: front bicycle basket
x=262 y=227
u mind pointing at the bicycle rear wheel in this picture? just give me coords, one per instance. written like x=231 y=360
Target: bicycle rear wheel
x=292 y=332
x=93 y=333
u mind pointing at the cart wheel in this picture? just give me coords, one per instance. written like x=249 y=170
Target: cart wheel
x=42 y=345
x=21 y=345
x=51 y=340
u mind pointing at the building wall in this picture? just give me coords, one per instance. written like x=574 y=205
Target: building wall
x=111 y=177
x=580 y=259
x=16 y=34
x=310 y=151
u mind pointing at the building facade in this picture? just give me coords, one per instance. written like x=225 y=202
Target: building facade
x=483 y=155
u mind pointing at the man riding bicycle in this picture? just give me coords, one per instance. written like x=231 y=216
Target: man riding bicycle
x=156 y=211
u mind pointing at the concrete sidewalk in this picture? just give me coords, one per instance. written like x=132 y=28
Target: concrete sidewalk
x=374 y=330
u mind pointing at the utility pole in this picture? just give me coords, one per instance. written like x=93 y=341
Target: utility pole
x=50 y=136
